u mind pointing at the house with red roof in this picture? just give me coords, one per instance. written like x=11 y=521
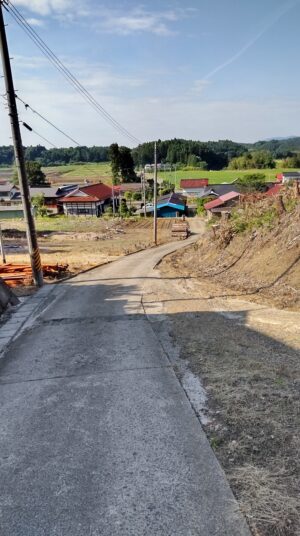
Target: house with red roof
x=90 y=200
x=222 y=205
x=193 y=187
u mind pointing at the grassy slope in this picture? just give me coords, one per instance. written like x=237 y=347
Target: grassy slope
x=101 y=171
x=79 y=172
x=225 y=175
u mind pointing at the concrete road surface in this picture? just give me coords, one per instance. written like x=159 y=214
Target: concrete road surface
x=98 y=438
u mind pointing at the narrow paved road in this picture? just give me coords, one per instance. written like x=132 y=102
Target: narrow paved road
x=97 y=435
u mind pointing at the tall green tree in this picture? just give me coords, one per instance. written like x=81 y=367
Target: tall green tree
x=114 y=156
x=126 y=165
x=122 y=164
x=35 y=175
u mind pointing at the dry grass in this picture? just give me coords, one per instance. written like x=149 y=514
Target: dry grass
x=264 y=500
x=83 y=242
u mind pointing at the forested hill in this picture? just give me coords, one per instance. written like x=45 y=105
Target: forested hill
x=209 y=155
x=52 y=157
x=280 y=148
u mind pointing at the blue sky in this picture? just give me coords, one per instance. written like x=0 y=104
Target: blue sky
x=212 y=69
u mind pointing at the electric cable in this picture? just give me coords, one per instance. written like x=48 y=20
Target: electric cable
x=46 y=51
x=28 y=127
x=47 y=120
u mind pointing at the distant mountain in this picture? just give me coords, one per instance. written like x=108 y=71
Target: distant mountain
x=280 y=138
x=279 y=147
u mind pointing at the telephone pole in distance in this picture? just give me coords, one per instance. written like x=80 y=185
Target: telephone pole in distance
x=33 y=248
x=155 y=196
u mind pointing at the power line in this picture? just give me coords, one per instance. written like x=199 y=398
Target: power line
x=47 y=121
x=21 y=21
x=28 y=127
x=56 y=62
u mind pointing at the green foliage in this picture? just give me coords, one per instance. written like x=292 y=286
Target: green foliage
x=200 y=206
x=165 y=188
x=126 y=165
x=252 y=182
x=114 y=155
x=124 y=212
x=137 y=196
x=292 y=161
x=214 y=155
x=35 y=175
x=122 y=165
x=7 y=156
x=255 y=160
x=278 y=148
x=243 y=220
x=38 y=202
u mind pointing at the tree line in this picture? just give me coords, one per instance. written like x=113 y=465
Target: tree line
x=212 y=155
x=56 y=157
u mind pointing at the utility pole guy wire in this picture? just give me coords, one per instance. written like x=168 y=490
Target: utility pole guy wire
x=19 y=156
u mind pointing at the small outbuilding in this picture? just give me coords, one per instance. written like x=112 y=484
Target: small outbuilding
x=222 y=205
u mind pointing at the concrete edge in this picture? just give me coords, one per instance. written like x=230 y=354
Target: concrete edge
x=11 y=329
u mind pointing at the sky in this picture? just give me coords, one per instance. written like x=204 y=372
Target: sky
x=199 y=69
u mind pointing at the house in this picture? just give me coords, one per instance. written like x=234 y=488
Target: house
x=91 y=200
x=222 y=205
x=288 y=176
x=193 y=187
x=7 y=191
x=134 y=187
x=168 y=206
x=50 y=197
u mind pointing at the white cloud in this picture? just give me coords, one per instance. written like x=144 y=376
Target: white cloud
x=45 y=7
x=147 y=118
x=35 y=22
x=140 y=20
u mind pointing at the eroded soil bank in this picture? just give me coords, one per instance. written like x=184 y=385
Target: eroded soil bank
x=246 y=353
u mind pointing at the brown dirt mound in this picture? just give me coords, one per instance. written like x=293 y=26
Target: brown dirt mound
x=264 y=263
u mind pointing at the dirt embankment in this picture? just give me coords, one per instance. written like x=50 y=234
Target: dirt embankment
x=262 y=264
x=247 y=357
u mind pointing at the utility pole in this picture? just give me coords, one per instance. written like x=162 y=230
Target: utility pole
x=2 y=247
x=144 y=191
x=155 y=196
x=113 y=198
x=33 y=248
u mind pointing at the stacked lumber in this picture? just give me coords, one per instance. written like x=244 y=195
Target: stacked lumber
x=21 y=274
x=180 y=230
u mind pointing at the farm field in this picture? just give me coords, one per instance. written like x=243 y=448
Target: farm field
x=95 y=172
x=216 y=177
x=78 y=173
x=82 y=242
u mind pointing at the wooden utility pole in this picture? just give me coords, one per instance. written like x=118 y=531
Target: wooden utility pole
x=144 y=191
x=155 y=196
x=2 y=247
x=33 y=248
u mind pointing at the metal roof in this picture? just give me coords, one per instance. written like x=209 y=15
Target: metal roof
x=47 y=192
x=193 y=183
x=221 y=200
x=94 y=192
x=6 y=187
x=79 y=199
